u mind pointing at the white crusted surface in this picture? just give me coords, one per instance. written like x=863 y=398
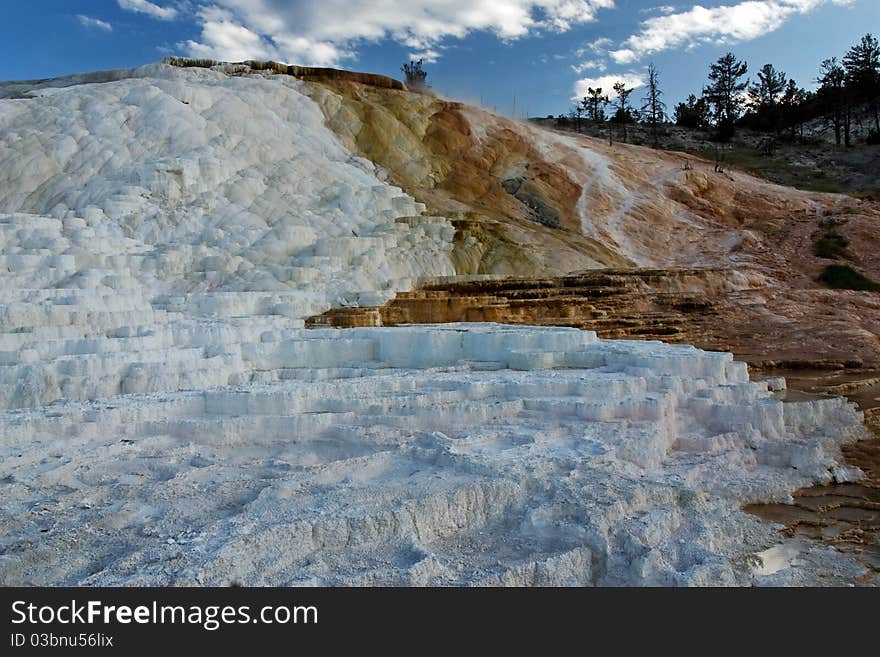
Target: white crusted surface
x=416 y=455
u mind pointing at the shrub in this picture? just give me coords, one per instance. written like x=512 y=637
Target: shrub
x=832 y=246
x=415 y=74
x=844 y=277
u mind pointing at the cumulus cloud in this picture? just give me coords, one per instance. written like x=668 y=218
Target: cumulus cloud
x=94 y=23
x=224 y=37
x=632 y=79
x=148 y=8
x=308 y=32
x=720 y=25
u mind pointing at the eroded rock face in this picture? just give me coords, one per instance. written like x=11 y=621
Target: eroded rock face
x=451 y=160
x=539 y=210
x=717 y=309
x=668 y=304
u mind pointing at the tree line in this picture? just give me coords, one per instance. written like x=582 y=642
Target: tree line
x=773 y=103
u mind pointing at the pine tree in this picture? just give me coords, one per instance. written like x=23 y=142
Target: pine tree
x=769 y=87
x=862 y=66
x=833 y=97
x=724 y=93
x=692 y=114
x=792 y=106
x=764 y=96
x=653 y=108
x=578 y=115
x=594 y=104
x=624 y=111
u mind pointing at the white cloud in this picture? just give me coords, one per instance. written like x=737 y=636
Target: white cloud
x=94 y=23
x=599 y=47
x=429 y=56
x=225 y=38
x=662 y=9
x=719 y=25
x=589 y=65
x=308 y=32
x=632 y=79
x=148 y=8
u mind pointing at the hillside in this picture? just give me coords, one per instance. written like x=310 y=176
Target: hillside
x=166 y=233
x=811 y=161
x=527 y=201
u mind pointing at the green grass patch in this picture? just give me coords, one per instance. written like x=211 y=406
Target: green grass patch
x=867 y=194
x=831 y=246
x=776 y=170
x=844 y=277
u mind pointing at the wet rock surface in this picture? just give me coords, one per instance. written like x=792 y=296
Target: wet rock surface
x=843 y=515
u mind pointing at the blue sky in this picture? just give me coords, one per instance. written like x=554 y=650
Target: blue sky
x=511 y=55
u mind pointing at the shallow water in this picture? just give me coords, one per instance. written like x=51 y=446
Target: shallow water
x=845 y=515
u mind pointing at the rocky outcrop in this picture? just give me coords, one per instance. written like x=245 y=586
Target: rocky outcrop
x=650 y=304
x=304 y=72
x=735 y=310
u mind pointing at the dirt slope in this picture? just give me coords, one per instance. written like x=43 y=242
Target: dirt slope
x=531 y=202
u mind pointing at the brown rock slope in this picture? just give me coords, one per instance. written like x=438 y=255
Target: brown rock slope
x=533 y=204
x=677 y=305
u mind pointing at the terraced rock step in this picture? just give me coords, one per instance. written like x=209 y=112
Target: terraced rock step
x=721 y=309
x=455 y=454
x=669 y=304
